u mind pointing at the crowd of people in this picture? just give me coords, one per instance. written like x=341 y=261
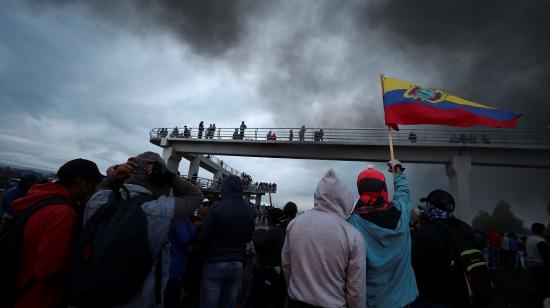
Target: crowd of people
x=318 y=135
x=238 y=133
x=142 y=236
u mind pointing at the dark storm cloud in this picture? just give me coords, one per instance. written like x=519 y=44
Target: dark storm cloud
x=495 y=52
x=209 y=27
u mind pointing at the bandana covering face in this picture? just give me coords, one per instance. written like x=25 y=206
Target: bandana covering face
x=371 y=185
x=433 y=213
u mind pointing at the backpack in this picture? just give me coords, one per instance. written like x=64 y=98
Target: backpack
x=469 y=270
x=112 y=258
x=12 y=232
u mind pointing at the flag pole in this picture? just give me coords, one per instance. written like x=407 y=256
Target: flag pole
x=390 y=140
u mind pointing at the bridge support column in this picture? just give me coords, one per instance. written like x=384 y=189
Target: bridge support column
x=458 y=171
x=258 y=201
x=171 y=158
x=194 y=165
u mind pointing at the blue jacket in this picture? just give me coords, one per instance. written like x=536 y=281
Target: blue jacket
x=10 y=196
x=180 y=238
x=229 y=224
x=390 y=277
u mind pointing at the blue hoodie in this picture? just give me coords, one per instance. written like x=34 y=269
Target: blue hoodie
x=229 y=224
x=390 y=277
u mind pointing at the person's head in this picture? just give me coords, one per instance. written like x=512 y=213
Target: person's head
x=439 y=205
x=140 y=177
x=80 y=177
x=232 y=187
x=373 y=193
x=538 y=228
x=27 y=180
x=290 y=210
x=242 y=122
x=274 y=216
x=333 y=196
x=203 y=208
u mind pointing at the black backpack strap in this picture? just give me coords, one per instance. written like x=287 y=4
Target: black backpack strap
x=158 y=277
x=37 y=206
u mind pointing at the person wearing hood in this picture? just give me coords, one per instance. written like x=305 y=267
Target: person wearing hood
x=48 y=233
x=148 y=175
x=226 y=231
x=384 y=225
x=323 y=256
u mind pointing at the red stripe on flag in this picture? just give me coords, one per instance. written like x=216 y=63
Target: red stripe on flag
x=412 y=113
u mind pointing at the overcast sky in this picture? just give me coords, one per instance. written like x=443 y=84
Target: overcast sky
x=91 y=78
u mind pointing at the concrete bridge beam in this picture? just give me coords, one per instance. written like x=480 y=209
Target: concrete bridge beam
x=194 y=165
x=458 y=171
x=171 y=158
x=258 y=200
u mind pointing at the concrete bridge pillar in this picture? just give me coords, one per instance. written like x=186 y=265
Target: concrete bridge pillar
x=171 y=158
x=194 y=165
x=458 y=171
x=258 y=200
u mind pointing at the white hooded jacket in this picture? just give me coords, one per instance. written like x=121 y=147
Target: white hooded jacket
x=323 y=256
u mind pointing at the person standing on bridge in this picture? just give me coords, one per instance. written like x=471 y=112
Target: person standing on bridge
x=242 y=128
x=323 y=256
x=302 y=133
x=201 y=129
x=384 y=225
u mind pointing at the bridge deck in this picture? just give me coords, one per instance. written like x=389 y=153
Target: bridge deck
x=516 y=148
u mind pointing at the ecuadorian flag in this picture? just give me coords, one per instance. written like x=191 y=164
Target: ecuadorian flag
x=408 y=103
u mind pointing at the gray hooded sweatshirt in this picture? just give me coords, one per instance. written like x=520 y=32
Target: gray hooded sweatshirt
x=323 y=256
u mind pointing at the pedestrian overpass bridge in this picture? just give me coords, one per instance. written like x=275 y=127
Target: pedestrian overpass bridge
x=458 y=149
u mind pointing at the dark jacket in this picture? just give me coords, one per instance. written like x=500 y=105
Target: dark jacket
x=180 y=238
x=430 y=257
x=269 y=245
x=229 y=224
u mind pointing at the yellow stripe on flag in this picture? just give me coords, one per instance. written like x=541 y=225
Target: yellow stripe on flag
x=391 y=84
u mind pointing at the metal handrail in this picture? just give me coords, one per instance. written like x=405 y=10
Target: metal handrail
x=221 y=163
x=424 y=136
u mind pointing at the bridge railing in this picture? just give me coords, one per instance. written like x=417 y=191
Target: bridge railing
x=370 y=135
x=221 y=163
x=251 y=188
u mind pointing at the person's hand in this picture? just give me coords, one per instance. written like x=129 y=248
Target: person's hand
x=395 y=167
x=120 y=173
x=158 y=173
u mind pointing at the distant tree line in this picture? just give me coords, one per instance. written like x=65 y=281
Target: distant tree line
x=502 y=219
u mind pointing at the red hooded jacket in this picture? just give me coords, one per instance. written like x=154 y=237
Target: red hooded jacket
x=46 y=247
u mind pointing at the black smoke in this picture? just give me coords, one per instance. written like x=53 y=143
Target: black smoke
x=209 y=27
x=318 y=62
x=495 y=52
